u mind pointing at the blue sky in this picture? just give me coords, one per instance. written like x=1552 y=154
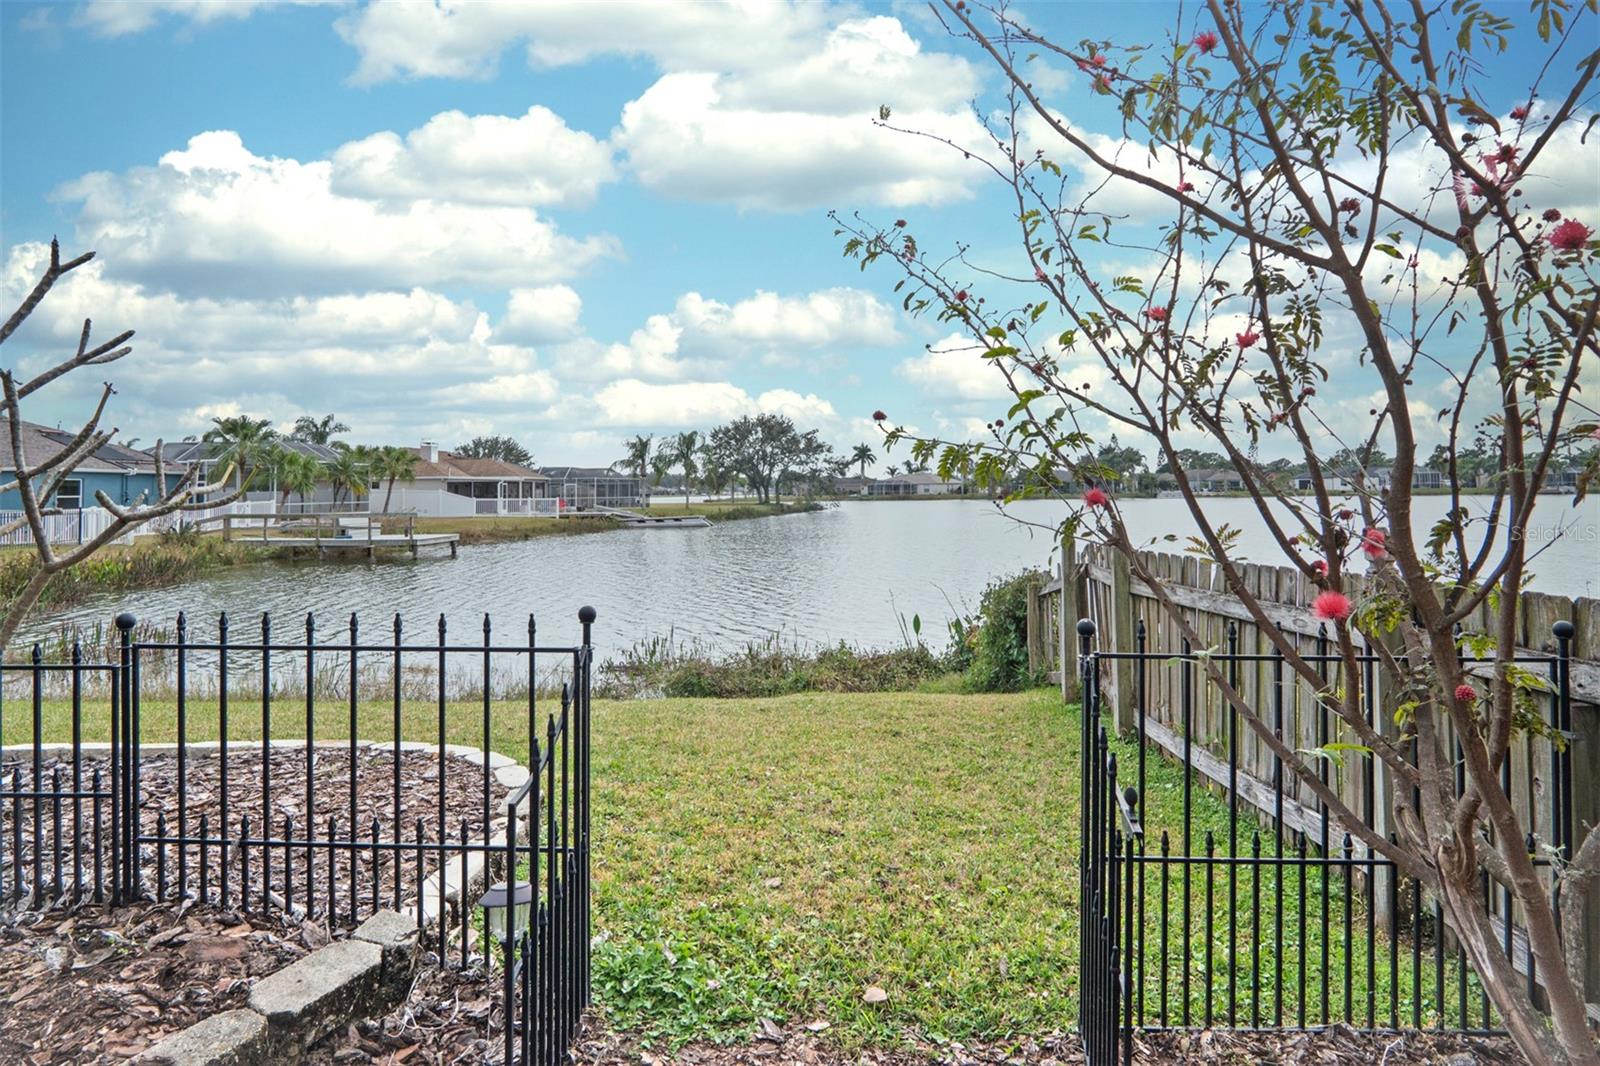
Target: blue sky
x=352 y=208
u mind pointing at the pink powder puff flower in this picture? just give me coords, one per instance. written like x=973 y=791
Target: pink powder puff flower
x=1570 y=236
x=1206 y=40
x=1332 y=606
x=1375 y=543
x=1096 y=497
x=879 y=416
x=1246 y=339
x=1519 y=112
x=1157 y=314
x=1466 y=694
x=1319 y=568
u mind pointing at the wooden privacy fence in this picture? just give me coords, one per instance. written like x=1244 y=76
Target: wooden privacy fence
x=1148 y=699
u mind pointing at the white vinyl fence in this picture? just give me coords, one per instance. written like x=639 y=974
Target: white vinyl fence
x=73 y=527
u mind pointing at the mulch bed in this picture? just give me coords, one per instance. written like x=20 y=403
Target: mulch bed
x=100 y=985
x=453 y=1017
x=374 y=877
x=90 y=983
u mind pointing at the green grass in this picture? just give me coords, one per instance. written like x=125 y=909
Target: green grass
x=775 y=857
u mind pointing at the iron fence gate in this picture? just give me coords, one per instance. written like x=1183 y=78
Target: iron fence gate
x=156 y=768
x=1212 y=898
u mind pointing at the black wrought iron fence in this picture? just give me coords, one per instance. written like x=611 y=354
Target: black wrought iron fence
x=323 y=773
x=1227 y=899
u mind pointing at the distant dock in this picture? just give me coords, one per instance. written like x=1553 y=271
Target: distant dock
x=635 y=520
x=333 y=533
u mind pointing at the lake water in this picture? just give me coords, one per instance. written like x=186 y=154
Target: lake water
x=850 y=573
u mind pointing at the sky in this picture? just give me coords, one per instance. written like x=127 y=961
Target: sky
x=567 y=222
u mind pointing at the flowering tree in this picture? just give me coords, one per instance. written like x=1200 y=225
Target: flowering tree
x=1312 y=182
x=35 y=478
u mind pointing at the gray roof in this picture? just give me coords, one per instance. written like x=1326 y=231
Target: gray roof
x=921 y=477
x=201 y=451
x=43 y=442
x=1213 y=474
x=585 y=473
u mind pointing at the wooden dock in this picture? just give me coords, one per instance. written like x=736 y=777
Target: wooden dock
x=635 y=520
x=334 y=533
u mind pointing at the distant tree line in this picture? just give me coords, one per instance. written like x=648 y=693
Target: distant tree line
x=767 y=455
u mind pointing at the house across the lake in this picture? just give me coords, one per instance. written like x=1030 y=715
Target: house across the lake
x=451 y=484
x=917 y=484
x=583 y=487
x=123 y=474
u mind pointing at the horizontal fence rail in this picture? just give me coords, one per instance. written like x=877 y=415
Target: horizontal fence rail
x=1271 y=915
x=326 y=773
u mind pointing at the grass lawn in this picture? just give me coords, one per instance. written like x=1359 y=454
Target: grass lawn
x=776 y=857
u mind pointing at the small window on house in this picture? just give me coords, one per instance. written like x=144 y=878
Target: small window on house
x=69 y=494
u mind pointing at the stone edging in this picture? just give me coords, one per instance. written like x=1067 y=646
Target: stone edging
x=305 y=1001
x=366 y=974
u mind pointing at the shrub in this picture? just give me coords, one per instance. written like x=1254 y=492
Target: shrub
x=766 y=668
x=999 y=661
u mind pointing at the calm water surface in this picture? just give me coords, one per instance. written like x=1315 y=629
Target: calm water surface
x=849 y=573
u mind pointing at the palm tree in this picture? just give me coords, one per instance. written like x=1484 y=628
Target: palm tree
x=395 y=464
x=713 y=475
x=348 y=472
x=294 y=472
x=660 y=466
x=684 y=449
x=637 y=461
x=244 y=443
x=865 y=456
x=318 y=430
x=892 y=469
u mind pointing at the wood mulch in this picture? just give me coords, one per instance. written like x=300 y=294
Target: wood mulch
x=375 y=791
x=453 y=1017
x=98 y=985
x=88 y=983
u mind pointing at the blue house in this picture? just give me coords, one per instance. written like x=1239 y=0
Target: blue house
x=121 y=473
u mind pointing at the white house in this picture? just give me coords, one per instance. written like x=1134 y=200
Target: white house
x=459 y=485
x=919 y=484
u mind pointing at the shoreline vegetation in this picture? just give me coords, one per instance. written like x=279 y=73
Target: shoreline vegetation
x=167 y=559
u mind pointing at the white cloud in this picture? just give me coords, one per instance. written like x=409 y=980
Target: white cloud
x=461 y=39
x=685 y=139
x=955 y=367
x=762 y=105
x=702 y=335
x=530 y=160
x=392 y=364
x=631 y=402
x=829 y=316
x=114 y=18
x=548 y=313
x=214 y=218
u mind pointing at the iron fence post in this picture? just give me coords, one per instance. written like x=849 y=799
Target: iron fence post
x=124 y=814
